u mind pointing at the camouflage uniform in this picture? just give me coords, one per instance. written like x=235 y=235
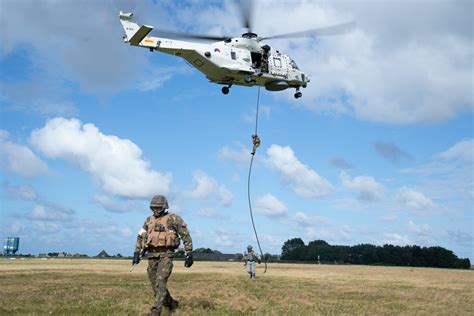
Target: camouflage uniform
x=160 y=258
x=250 y=257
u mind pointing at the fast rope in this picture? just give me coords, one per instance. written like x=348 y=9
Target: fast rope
x=256 y=143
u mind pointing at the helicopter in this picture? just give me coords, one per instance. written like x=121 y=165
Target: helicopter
x=242 y=60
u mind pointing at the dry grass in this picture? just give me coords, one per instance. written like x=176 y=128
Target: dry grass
x=105 y=287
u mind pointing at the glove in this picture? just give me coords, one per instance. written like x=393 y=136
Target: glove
x=259 y=261
x=136 y=257
x=188 y=262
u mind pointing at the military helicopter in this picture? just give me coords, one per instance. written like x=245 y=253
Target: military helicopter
x=240 y=60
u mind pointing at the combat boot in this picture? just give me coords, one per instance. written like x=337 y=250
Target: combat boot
x=173 y=305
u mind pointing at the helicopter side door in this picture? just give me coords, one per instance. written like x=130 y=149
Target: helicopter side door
x=278 y=65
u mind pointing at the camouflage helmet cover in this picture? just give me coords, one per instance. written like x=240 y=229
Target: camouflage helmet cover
x=249 y=248
x=159 y=201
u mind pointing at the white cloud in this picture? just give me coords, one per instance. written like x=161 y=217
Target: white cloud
x=117 y=205
x=422 y=230
x=206 y=212
x=206 y=186
x=396 y=239
x=46 y=227
x=463 y=151
x=271 y=206
x=226 y=238
x=369 y=189
x=23 y=192
x=159 y=76
x=20 y=159
x=305 y=181
x=388 y=69
x=390 y=218
x=116 y=163
x=304 y=220
x=240 y=155
x=415 y=200
x=51 y=212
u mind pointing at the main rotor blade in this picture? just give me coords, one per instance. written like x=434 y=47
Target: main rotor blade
x=171 y=34
x=246 y=14
x=323 y=31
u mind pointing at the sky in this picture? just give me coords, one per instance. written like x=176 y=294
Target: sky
x=380 y=148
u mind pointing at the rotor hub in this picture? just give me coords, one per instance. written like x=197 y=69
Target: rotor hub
x=249 y=35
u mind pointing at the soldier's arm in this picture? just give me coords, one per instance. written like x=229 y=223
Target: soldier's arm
x=183 y=232
x=141 y=238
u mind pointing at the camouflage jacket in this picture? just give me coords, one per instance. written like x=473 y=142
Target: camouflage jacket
x=251 y=256
x=173 y=222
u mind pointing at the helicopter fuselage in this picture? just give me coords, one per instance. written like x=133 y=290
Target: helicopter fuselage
x=241 y=61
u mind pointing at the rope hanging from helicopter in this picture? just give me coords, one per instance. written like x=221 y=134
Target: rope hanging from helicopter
x=256 y=143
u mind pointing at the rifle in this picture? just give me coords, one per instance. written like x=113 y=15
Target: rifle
x=141 y=255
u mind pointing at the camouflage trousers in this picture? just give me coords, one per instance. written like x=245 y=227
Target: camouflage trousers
x=251 y=268
x=159 y=270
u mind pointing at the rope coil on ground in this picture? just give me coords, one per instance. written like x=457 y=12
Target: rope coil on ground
x=256 y=143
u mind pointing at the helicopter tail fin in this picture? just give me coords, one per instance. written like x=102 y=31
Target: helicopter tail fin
x=134 y=34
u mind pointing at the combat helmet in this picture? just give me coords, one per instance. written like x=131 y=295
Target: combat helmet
x=159 y=201
x=249 y=248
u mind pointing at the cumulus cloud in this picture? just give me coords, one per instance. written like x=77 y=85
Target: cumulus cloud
x=304 y=220
x=51 y=212
x=460 y=237
x=422 y=229
x=159 y=76
x=22 y=192
x=462 y=151
x=19 y=158
x=396 y=239
x=240 y=155
x=116 y=163
x=305 y=181
x=414 y=200
x=206 y=187
x=119 y=205
x=388 y=69
x=369 y=189
x=391 y=152
x=341 y=163
x=103 y=230
x=271 y=206
x=46 y=227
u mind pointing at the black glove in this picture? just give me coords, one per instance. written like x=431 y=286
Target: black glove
x=259 y=261
x=188 y=262
x=136 y=257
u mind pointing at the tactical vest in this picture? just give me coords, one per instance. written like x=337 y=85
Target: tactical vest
x=159 y=234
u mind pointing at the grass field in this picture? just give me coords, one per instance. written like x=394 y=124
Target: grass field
x=105 y=287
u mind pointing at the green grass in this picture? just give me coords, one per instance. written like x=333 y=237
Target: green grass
x=105 y=287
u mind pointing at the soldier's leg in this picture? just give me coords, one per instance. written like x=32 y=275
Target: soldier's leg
x=252 y=269
x=249 y=269
x=163 y=272
x=151 y=270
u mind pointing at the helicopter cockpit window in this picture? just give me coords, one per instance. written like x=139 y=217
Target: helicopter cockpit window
x=293 y=64
x=277 y=62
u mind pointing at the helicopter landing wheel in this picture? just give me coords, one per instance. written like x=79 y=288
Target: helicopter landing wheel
x=298 y=95
x=248 y=78
x=225 y=90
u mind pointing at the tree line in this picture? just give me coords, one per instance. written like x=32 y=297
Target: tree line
x=415 y=256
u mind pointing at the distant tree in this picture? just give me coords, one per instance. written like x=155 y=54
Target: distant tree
x=293 y=249
x=53 y=254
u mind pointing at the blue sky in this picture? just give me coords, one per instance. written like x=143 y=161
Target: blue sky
x=378 y=150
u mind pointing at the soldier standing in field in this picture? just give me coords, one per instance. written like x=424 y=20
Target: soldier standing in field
x=250 y=257
x=159 y=237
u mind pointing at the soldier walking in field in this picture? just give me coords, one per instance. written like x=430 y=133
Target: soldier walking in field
x=159 y=237
x=250 y=257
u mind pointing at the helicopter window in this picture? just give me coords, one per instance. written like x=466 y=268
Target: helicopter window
x=233 y=55
x=293 y=64
x=277 y=62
